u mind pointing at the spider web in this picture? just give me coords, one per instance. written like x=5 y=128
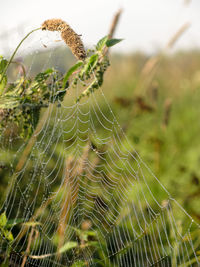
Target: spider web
x=84 y=195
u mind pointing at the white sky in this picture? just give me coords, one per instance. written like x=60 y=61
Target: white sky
x=145 y=24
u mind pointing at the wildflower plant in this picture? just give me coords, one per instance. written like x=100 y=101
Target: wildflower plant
x=68 y=35
x=21 y=101
x=76 y=193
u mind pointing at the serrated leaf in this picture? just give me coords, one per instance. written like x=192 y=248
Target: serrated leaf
x=112 y=42
x=68 y=246
x=71 y=71
x=3 y=220
x=101 y=43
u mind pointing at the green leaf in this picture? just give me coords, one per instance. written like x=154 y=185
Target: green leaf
x=13 y=222
x=8 y=235
x=77 y=230
x=49 y=71
x=3 y=64
x=3 y=220
x=3 y=83
x=71 y=71
x=112 y=42
x=80 y=232
x=101 y=43
x=3 y=77
x=78 y=264
x=93 y=244
x=84 y=237
x=9 y=102
x=68 y=246
x=92 y=61
x=43 y=76
x=88 y=90
x=90 y=233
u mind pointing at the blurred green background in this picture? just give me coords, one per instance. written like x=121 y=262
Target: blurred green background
x=160 y=114
x=155 y=101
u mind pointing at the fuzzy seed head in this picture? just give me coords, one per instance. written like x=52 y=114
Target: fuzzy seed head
x=54 y=25
x=69 y=36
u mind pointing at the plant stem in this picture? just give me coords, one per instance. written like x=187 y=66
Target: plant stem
x=14 y=53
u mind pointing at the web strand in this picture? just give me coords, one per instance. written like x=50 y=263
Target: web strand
x=84 y=177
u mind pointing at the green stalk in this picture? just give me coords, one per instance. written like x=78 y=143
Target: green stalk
x=14 y=53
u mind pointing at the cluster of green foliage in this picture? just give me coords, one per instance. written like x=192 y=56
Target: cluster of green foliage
x=22 y=100
x=170 y=148
x=164 y=144
x=92 y=70
x=4 y=228
x=21 y=103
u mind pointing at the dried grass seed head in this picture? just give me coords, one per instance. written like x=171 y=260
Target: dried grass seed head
x=54 y=25
x=69 y=36
x=74 y=42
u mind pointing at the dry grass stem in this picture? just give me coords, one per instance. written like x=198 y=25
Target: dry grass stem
x=65 y=206
x=177 y=35
x=83 y=159
x=39 y=257
x=33 y=218
x=113 y=27
x=114 y=23
x=33 y=139
x=29 y=147
x=30 y=239
x=70 y=192
x=68 y=35
x=151 y=66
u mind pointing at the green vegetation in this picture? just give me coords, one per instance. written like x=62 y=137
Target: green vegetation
x=158 y=109
x=164 y=122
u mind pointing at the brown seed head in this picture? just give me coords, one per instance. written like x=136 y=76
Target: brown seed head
x=72 y=39
x=54 y=25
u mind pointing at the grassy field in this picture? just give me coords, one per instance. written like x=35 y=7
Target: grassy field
x=156 y=102
x=160 y=115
